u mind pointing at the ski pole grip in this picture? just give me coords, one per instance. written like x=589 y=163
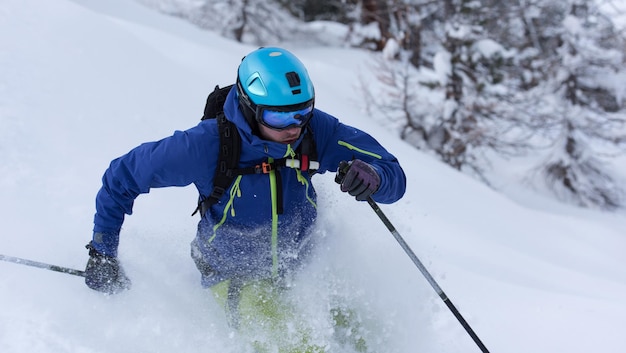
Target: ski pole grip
x=341 y=171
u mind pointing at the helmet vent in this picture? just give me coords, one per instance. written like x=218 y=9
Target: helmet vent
x=296 y=91
x=293 y=78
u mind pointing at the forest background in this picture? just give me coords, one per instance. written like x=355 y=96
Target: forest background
x=532 y=88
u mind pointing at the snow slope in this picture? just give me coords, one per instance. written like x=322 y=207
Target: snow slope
x=83 y=81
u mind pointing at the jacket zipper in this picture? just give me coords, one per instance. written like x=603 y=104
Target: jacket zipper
x=274 y=196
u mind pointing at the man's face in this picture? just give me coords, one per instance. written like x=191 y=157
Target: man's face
x=286 y=136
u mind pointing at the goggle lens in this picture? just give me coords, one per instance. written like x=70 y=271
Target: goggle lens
x=281 y=120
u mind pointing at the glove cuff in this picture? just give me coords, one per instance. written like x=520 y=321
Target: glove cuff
x=105 y=243
x=93 y=252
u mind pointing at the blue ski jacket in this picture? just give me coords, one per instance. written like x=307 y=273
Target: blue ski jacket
x=244 y=234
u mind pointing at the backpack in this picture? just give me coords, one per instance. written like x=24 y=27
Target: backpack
x=230 y=149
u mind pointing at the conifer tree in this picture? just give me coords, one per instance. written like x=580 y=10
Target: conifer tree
x=587 y=123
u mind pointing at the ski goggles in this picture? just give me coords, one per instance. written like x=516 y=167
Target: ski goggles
x=278 y=118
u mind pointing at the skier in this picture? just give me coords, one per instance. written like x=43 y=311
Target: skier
x=259 y=228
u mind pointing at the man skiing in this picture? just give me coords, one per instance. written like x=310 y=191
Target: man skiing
x=258 y=227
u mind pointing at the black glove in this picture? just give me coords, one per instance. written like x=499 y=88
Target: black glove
x=358 y=179
x=104 y=273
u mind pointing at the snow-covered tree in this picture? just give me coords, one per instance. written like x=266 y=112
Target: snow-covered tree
x=380 y=24
x=585 y=86
x=475 y=116
x=537 y=68
x=455 y=107
x=251 y=21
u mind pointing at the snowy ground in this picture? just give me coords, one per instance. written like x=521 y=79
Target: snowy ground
x=83 y=81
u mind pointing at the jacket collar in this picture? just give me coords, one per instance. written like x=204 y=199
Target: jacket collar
x=233 y=113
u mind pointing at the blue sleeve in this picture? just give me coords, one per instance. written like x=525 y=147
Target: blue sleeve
x=336 y=142
x=178 y=160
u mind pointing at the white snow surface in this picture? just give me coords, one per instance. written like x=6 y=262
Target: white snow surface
x=83 y=81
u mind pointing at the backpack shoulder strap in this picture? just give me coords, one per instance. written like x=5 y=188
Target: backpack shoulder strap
x=308 y=152
x=227 y=163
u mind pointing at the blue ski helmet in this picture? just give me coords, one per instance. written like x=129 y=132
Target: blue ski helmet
x=273 y=77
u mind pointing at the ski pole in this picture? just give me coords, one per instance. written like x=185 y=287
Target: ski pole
x=426 y=274
x=17 y=260
x=341 y=172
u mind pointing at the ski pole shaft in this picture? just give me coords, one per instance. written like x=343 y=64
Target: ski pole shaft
x=426 y=274
x=55 y=268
